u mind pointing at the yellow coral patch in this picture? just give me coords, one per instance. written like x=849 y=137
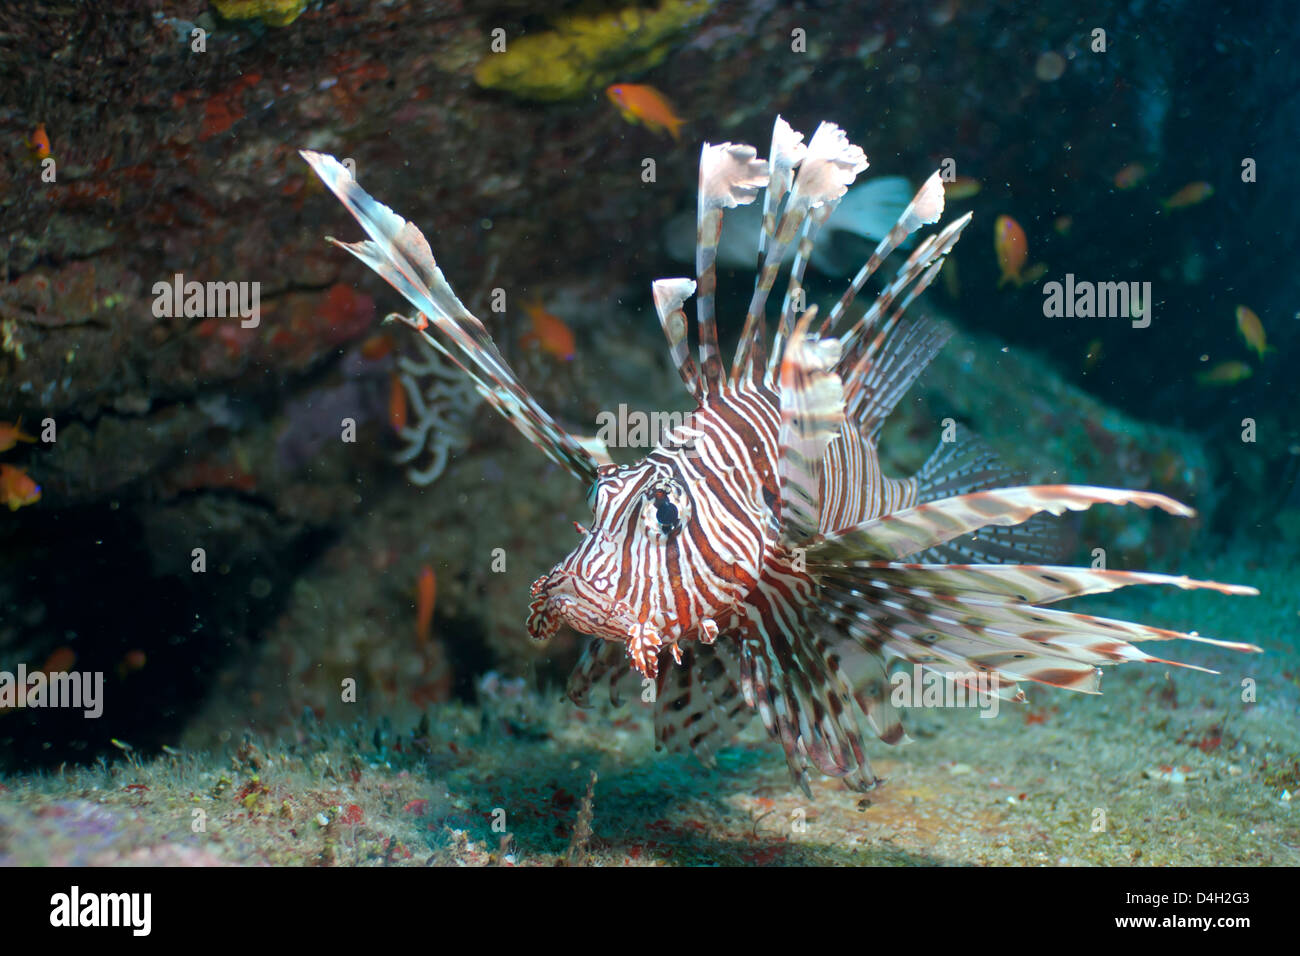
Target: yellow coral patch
x=586 y=52
x=274 y=13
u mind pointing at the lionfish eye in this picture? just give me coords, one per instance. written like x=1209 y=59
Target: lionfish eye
x=666 y=507
x=666 y=513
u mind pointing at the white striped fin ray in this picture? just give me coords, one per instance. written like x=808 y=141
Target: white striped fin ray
x=812 y=411
x=787 y=152
x=669 y=296
x=400 y=254
x=925 y=209
x=804 y=686
x=1024 y=583
x=730 y=175
x=912 y=530
x=828 y=168
x=1018 y=641
x=921 y=268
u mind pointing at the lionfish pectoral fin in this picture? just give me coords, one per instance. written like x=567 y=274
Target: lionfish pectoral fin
x=601 y=660
x=805 y=684
x=699 y=706
x=912 y=530
x=401 y=255
x=981 y=623
x=812 y=411
x=965 y=624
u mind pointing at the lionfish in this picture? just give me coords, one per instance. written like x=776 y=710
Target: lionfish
x=759 y=559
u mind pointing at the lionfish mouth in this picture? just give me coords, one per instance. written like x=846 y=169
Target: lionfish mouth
x=558 y=599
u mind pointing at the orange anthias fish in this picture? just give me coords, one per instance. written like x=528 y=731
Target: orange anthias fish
x=1130 y=176
x=11 y=435
x=645 y=105
x=396 y=403
x=39 y=144
x=1012 y=248
x=549 y=332
x=17 y=488
x=1189 y=195
x=60 y=660
x=1225 y=373
x=1251 y=329
x=426 y=590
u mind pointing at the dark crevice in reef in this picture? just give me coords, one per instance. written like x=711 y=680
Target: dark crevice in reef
x=94 y=587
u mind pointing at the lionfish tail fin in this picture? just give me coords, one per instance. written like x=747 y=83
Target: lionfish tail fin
x=400 y=254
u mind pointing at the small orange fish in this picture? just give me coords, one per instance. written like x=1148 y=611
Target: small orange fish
x=645 y=105
x=60 y=660
x=396 y=403
x=1012 y=248
x=549 y=333
x=1251 y=329
x=17 y=488
x=380 y=345
x=1225 y=373
x=1189 y=195
x=1063 y=225
x=1130 y=176
x=11 y=435
x=39 y=144
x=426 y=590
x=963 y=187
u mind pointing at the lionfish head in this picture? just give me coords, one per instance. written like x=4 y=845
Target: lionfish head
x=638 y=576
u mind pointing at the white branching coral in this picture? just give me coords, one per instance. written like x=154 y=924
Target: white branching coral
x=441 y=403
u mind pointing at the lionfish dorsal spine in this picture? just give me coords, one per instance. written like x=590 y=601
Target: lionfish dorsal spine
x=400 y=254
x=812 y=412
x=829 y=166
x=669 y=297
x=730 y=176
x=786 y=153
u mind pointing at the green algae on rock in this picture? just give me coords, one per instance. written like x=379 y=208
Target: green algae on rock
x=274 y=13
x=584 y=52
